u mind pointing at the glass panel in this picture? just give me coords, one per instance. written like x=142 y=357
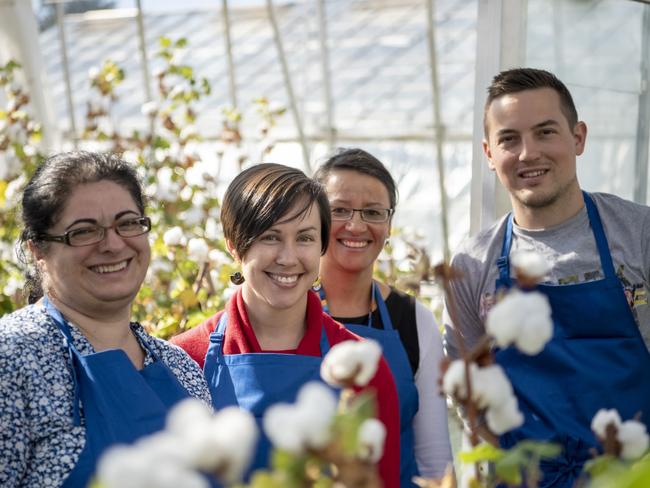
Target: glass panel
x=595 y=48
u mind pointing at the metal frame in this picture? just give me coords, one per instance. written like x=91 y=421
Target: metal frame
x=66 y=72
x=501 y=27
x=18 y=24
x=643 y=118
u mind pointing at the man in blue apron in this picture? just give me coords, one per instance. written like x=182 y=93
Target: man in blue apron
x=597 y=245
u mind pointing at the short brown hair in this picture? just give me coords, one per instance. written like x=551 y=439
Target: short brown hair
x=355 y=159
x=520 y=79
x=262 y=194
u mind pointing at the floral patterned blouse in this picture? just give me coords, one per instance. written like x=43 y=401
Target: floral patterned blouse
x=39 y=445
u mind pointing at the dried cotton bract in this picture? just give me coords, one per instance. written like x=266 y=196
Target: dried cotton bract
x=522 y=319
x=351 y=363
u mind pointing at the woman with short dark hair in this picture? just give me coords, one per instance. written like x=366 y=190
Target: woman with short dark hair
x=76 y=374
x=276 y=223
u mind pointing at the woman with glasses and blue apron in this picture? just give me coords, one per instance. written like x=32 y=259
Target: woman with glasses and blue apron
x=271 y=338
x=77 y=376
x=362 y=196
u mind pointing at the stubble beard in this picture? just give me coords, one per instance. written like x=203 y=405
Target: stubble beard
x=540 y=200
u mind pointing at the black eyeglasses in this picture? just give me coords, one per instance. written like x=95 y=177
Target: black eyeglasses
x=92 y=234
x=370 y=215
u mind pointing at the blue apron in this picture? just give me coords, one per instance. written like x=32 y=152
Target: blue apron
x=596 y=359
x=395 y=354
x=255 y=381
x=120 y=403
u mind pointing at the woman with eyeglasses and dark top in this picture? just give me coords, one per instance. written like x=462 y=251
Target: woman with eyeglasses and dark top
x=76 y=374
x=362 y=196
x=270 y=339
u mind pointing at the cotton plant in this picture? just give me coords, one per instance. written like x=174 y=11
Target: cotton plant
x=481 y=388
x=190 y=271
x=318 y=440
x=625 y=459
x=20 y=138
x=195 y=447
x=321 y=439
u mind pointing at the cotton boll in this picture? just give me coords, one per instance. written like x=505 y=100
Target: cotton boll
x=316 y=406
x=193 y=216
x=523 y=319
x=602 y=419
x=198 y=250
x=236 y=434
x=173 y=236
x=633 y=438
x=338 y=365
x=530 y=264
x=349 y=362
x=150 y=109
x=167 y=448
x=124 y=467
x=534 y=333
x=453 y=383
x=505 y=417
x=188 y=416
x=504 y=319
x=371 y=437
x=369 y=353
x=281 y=428
x=491 y=386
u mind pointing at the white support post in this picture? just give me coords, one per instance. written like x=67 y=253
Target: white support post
x=19 y=41
x=501 y=44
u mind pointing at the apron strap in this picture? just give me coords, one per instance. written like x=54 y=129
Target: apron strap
x=599 y=235
x=73 y=356
x=503 y=262
x=383 y=309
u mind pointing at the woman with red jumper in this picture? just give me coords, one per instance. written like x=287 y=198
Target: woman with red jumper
x=272 y=335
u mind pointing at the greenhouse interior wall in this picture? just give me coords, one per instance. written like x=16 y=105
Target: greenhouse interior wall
x=361 y=72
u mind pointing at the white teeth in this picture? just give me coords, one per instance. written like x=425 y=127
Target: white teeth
x=356 y=244
x=287 y=280
x=110 y=268
x=533 y=174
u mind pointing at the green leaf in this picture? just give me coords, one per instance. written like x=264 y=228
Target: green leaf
x=182 y=42
x=539 y=449
x=482 y=452
x=165 y=42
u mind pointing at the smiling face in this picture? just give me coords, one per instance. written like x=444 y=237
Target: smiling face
x=533 y=150
x=282 y=263
x=355 y=244
x=102 y=277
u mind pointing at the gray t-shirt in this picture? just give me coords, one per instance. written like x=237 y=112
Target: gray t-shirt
x=570 y=248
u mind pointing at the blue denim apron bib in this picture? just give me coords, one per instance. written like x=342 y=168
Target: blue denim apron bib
x=395 y=354
x=596 y=359
x=120 y=403
x=255 y=381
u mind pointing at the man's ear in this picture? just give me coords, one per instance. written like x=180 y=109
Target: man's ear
x=580 y=136
x=232 y=250
x=488 y=153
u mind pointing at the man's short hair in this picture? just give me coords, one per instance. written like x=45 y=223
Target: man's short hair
x=520 y=79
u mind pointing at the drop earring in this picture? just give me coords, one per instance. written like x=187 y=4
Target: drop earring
x=316 y=285
x=237 y=278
